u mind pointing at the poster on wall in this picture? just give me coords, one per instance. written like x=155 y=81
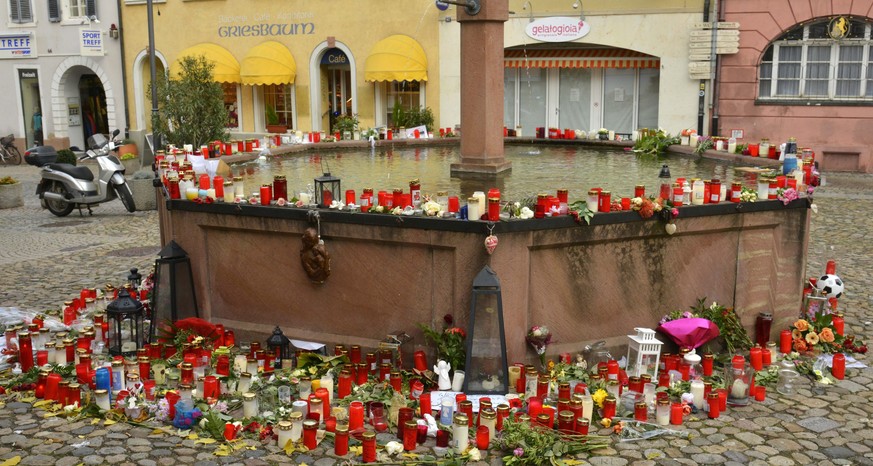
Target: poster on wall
x=90 y=42
x=557 y=29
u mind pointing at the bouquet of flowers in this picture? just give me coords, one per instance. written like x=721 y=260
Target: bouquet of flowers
x=449 y=342
x=691 y=329
x=818 y=334
x=539 y=337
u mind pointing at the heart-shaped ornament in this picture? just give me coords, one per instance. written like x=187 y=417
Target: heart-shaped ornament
x=491 y=244
x=670 y=228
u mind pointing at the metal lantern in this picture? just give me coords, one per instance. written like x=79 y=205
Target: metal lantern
x=280 y=346
x=486 y=366
x=327 y=189
x=126 y=333
x=173 y=297
x=643 y=353
x=134 y=279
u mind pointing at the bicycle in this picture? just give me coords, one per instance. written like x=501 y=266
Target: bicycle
x=9 y=154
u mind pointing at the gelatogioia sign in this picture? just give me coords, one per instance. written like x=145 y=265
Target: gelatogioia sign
x=557 y=29
x=266 y=24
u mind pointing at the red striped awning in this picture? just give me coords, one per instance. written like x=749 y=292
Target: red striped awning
x=579 y=58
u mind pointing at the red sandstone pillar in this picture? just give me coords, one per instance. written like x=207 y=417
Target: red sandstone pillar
x=482 y=89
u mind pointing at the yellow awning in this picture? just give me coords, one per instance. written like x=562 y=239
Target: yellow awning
x=268 y=63
x=396 y=58
x=226 y=67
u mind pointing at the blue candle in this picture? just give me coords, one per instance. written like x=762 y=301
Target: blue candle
x=102 y=379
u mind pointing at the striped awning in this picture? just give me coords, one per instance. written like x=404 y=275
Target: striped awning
x=579 y=58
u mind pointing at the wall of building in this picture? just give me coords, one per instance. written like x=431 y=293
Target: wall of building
x=839 y=135
x=59 y=62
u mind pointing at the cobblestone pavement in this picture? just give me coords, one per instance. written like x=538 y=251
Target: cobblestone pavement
x=44 y=259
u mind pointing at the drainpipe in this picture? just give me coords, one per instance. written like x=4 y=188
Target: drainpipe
x=123 y=70
x=701 y=101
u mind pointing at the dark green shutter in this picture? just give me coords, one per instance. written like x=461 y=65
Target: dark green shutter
x=54 y=11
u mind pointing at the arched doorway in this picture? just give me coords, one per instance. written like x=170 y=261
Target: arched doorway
x=333 y=90
x=92 y=101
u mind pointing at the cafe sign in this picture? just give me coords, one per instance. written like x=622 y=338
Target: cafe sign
x=557 y=29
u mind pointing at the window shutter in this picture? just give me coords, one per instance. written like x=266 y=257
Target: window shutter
x=90 y=8
x=13 y=11
x=25 y=11
x=54 y=11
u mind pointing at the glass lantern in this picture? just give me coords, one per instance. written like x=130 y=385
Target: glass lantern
x=486 y=365
x=279 y=345
x=126 y=317
x=327 y=189
x=174 y=296
x=134 y=279
x=643 y=353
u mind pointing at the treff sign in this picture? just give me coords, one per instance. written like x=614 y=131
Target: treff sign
x=557 y=29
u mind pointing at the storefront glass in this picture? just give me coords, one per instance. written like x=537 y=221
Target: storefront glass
x=532 y=98
x=402 y=96
x=618 y=100
x=28 y=82
x=279 y=97
x=575 y=98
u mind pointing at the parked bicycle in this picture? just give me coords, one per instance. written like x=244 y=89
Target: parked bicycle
x=9 y=154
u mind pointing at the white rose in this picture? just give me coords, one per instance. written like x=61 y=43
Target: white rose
x=393 y=447
x=475 y=455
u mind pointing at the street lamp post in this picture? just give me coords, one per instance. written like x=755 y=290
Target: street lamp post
x=156 y=139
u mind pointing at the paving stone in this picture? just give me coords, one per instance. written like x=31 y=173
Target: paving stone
x=818 y=424
x=38 y=460
x=838 y=452
x=607 y=461
x=708 y=458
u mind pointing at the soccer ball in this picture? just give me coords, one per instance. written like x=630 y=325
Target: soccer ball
x=831 y=286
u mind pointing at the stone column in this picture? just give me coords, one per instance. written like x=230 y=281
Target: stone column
x=482 y=89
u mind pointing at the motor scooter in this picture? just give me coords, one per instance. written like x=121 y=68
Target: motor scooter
x=65 y=187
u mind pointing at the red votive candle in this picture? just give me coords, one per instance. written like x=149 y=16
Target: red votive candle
x=609 y=407
x=785 y=341
x=708 y=361
x=755 y=358
x=714 y=405
x=410 y=435
x=454 y=204
x=356 y=415
x=760 y=393
x=676 y=414
x=838 y=369
x=424 y=404
x=341 y=441
x=266 y=194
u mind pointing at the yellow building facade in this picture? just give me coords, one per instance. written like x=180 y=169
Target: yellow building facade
x=305 y=62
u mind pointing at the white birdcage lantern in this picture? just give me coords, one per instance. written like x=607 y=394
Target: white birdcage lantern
x=643 y=353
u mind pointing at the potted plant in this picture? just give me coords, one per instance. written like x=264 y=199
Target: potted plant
x=127 y=147
x=273 y=125
x=131 y=163
x=10 y=193
x=346 y=125
x=603 y=134
x=143 y=190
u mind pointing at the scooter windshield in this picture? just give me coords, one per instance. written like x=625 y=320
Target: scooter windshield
x=97 y=141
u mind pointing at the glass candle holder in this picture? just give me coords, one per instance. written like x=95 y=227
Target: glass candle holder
x=296 y=419
x=369 y=447
x=310 y=428
x=250 y=405
x=341 y=440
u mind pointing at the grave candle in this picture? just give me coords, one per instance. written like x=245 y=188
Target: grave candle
x=460 y=433
x=250 y=405
x=662 y=412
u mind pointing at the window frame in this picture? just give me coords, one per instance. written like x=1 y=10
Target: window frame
x=864 y=96
x=19 y=21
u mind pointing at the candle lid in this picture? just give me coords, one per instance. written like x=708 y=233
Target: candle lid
x=296 y=416
x=245 y=374
x=284 y=425
x=100 y=392
x=310 y=424
x=248 y=396
x=342 y=429
x=368 y=435
x=488 y=413
x=461 y=419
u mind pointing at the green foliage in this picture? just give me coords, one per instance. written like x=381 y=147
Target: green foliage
x=525 y=444
x=584 y=213
x=272 y=116
x=129 y=156
x=66 y=156
x=8 y=180
x=345 y=123
x=410 y=118
x=449 y=343
x=655 y=143
x=191 y=107
x=704 y=145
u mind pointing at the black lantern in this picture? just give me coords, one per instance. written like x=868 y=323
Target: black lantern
x=327 y=189
x=665 y=172
x=126 y=316
x=174 y=297
x=134 y=279
x=486 y=368
x=279 y=345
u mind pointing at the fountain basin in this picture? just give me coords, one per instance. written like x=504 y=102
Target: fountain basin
x=586 y=282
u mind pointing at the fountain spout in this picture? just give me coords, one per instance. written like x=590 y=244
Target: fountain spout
x=470 y=6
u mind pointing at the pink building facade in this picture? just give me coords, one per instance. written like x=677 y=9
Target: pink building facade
x=804 y=70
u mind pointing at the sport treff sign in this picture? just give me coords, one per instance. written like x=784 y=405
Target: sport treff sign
x=91 y=42
x=557 y=29
x=17 y=46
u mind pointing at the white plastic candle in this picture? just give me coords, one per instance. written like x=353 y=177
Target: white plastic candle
x=662 y=414
x=296 y=426
x=460 y=433
x=102 y=398
x=304 y=198
x=732 y=145
x=250 y=405
x=239 y=363
x=697 y=190
x=327 y=383
x=284 y=428
x=697 y=393
x=245 y=382
x=587 y=407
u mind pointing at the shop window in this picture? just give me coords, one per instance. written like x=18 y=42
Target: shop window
x=20 y=11
x=403 y=96
x=231 y=105
x=827 y=60
x=280 y=98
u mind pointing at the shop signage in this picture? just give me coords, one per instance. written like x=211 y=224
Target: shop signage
x=266 y=24
x=91 y=42
x=20 y=45
x=334 y=57
x=557 y=29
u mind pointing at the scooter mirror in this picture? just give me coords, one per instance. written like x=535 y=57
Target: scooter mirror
x=115 y=133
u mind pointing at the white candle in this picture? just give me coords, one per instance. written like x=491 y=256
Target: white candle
x=739 y=389
x=697 y=393
x=228 y=192
x=296 y=425
x=662 y=414
x=102 y=398
x=697 y=190
x=460 y=433
x=210 y=193
x=239 y=363
x=587 y=407
x=693 y=141
x=732 y=145
x=474 y=211
x=284 y=428
x=327 y=383
x=304 y=198
x=245 y=382
x=250 y=405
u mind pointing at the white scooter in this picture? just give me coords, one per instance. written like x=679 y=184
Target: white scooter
x=64 y=187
